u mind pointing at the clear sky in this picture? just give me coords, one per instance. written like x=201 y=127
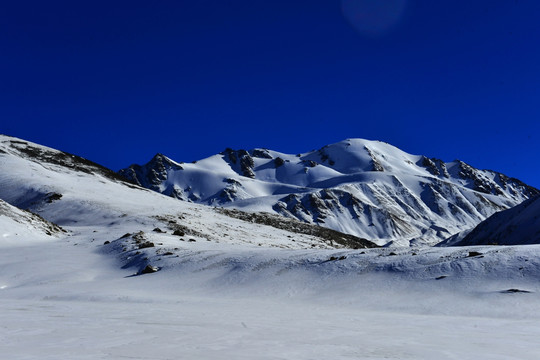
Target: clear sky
x=118 y=81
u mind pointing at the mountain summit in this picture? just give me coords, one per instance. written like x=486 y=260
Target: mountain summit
x=365 y=188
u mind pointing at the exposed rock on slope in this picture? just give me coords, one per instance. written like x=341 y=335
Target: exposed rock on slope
x=365 y=188
x=153 y=174
x=330 y=236
x=50 y=156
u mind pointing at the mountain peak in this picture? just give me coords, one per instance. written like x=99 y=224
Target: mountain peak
x=366 y=188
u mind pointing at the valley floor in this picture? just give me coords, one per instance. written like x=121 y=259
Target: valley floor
x=66 y=299
x=206 y=328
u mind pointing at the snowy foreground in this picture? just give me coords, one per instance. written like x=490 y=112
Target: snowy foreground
x=232 y=289
x=68 y=300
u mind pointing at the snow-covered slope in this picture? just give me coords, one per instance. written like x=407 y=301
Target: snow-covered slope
x=231 y=284
x=366 y=188
x=17 y=227
x=518 y=225
x=81 y=196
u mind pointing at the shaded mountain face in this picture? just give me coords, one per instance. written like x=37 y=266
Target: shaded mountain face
x=365 y=188
x=519 y=225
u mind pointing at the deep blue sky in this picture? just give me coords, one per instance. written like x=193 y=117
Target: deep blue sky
x=118 y=81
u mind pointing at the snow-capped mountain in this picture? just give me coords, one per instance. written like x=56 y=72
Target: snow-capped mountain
x=132 y=273
x=79 y=195
x=519 y=225
x=366 y=188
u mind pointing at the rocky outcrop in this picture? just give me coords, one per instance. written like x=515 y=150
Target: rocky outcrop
x=240 y=161
x=435 y=166
x=261 y=153
x=375 y=164
x=153 y=174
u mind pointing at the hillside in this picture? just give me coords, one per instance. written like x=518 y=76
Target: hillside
x=516 y=226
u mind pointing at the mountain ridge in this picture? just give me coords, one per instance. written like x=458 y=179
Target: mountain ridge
x=78 y=194
x=517 y=225
x=350 y=186
x=367 y=189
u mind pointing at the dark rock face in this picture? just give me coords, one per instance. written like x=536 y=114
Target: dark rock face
x=152 y=174
x=226 y=195
x=51 y=197
x=246 y=165
x=146 y=244
x=430 y=165
x=179 y=233
x=261 y=153
x=435 y=166
x=240 y=161
x=149 y=269
x=279 y=162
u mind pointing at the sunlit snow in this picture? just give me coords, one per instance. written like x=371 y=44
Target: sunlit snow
x=231 y=289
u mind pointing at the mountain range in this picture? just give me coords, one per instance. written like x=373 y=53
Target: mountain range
x=369 y=189
x=97 y=266
x=355 y=193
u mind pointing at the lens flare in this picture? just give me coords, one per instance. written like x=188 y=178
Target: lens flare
x=373 y=18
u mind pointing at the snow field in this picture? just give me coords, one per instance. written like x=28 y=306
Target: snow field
x=66 y=299
x=240 y=290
